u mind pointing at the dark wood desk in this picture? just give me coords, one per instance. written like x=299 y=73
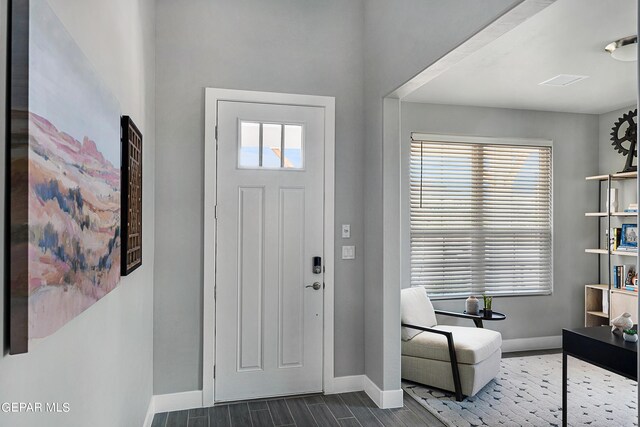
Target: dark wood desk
x=600 y=347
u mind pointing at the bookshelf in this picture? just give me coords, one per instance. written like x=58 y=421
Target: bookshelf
x=602 y=301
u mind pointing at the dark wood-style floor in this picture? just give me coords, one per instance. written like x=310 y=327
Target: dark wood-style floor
x=342 y=410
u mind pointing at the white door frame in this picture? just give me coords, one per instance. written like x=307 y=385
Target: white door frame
x=212 y=96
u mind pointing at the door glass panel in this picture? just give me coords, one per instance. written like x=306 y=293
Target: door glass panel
x=293 y=146
x=271 y=145
x=249 y=145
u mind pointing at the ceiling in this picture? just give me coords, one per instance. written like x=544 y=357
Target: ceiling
x=567 y=37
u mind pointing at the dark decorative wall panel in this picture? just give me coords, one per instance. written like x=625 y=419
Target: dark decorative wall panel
x=131 y=196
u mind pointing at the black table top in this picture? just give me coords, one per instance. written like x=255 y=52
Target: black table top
x=494 y=315
x=604 y=335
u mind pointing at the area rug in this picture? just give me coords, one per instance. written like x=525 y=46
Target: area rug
x=528 y=392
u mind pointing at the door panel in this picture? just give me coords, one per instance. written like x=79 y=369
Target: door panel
x=250 y=277
x=291 y=301
x=270 y=208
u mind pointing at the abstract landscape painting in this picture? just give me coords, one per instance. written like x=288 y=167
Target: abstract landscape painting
x=72 y=184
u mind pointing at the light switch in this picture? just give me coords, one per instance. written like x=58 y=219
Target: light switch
x=348 y=252
x=346 y=231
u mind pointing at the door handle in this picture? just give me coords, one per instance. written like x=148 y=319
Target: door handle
x=316 y=286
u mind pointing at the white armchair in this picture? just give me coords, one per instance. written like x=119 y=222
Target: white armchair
x=454 y=358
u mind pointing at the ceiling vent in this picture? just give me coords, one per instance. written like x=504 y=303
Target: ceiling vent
x=563 y=80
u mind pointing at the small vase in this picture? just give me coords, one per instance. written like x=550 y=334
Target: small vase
x=472 y=305
x=630 y=337
x=488 y=314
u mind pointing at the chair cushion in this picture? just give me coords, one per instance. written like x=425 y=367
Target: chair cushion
x=473 y=345
x=416 y=310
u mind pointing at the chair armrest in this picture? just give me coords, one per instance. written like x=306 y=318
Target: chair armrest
x=452 y=355
x=435 y=331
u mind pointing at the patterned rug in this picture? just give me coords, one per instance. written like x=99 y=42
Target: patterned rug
x=528 y=392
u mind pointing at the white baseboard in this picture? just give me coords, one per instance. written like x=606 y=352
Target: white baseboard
x=385 y=399
x=173 y=402
x=529 y=344
x=346 y=384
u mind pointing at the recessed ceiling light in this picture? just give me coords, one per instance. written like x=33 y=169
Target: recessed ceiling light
x=563 y=80
x=625 y=49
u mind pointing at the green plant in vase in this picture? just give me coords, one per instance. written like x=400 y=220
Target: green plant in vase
x=630 y=335
x=488 y=301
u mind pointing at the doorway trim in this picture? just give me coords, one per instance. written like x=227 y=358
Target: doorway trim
x=212 y=97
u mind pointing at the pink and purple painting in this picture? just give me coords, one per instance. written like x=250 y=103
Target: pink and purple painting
x=71 y=181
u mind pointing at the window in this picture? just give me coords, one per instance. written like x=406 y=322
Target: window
x=480 y=217
x=270 y=146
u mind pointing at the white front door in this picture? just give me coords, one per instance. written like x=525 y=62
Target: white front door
x=269 y=314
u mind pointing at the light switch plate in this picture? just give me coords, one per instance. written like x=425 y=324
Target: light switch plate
x=348 y=252
x=346 y=231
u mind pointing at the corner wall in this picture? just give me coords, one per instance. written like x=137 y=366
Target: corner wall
x=101 y=361
x=575 y=156
x=402 y=38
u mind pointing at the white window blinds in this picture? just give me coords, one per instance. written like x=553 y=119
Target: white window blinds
x=480 y=218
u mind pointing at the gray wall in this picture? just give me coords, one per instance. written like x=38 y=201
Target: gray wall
x=575 y=156
x=100 y=362
x=402 y=38
x=610 y=162
x=292 y=46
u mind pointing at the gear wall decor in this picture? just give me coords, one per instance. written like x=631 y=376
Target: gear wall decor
x=623 y=137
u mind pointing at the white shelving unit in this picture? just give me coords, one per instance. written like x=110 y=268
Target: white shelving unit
x=602 y=302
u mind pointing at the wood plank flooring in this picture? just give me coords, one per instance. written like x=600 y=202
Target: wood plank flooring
x=336 y=410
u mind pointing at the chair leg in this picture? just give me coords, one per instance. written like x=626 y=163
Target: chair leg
x=459 y=396
x=454 y=369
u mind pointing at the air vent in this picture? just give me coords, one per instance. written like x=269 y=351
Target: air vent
x=563 y=80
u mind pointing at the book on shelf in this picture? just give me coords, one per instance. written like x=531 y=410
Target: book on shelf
x=631 y=288
x=633 y=207
x=623 y=276
x=626 y=249
x=614 y=238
